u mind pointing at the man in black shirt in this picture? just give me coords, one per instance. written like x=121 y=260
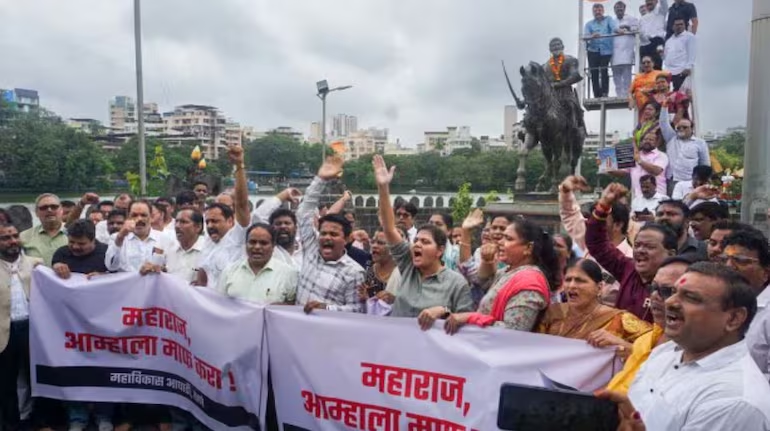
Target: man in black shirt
x=682 y=10
x=83 y=254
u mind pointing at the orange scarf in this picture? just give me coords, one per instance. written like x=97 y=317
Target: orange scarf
x=556 y=66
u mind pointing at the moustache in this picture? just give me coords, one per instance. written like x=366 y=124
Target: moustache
x=212 y=231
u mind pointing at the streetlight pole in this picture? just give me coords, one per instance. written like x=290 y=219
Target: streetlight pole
x=323 y=91
x=140 y=96
x=323 y=125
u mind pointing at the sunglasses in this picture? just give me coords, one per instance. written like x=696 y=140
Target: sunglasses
x=665 y=292
x=52 y=207
x=739 y=260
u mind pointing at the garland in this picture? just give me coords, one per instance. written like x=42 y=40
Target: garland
x=556 y=66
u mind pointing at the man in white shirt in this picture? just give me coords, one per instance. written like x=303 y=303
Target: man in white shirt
x=679 y=54
x=284 y=223
x=226 y=230
x=260 y=276
x=405 y=214
x=647 y=201
x=623 y=50
x=652 y=27
x=686 y=190
x=15 y=275
x=181 y=254
x=704 y=378
x=122 y=202
x=133 y=245
x=747 y=252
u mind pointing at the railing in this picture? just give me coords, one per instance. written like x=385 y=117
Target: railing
x=586 y=84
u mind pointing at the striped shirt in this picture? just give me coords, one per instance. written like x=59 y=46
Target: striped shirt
x=333 y=282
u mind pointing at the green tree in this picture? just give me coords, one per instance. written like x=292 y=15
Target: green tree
x=462 y=203
x=40 y=153
x=282 y=154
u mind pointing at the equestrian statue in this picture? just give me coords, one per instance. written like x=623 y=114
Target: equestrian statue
x=553 y=116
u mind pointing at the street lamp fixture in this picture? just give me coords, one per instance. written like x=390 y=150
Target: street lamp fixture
x=323 y=91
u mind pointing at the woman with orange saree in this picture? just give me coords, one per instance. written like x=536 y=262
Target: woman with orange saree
x=584 y=316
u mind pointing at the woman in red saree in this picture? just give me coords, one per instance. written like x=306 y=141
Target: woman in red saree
x=517 y=295
x=584 y=316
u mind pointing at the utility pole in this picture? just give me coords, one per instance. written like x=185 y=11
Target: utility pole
x=140 y=96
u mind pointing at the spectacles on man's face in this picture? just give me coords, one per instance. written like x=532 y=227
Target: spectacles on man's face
x=52 y=207
x=682 y=127
x=664 y=291
x=739 y=259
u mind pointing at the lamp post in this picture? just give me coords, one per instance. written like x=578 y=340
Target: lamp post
x=140 y=96
x=323 y=91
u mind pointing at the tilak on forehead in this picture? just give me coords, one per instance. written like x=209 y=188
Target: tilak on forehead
x=683 y=280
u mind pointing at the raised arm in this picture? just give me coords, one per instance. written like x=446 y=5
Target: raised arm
x=569 y=209
x=598 y=240
x=338 y=206
x=262 y=213
x=86 y=199
x=665 y=123
x=330 y=169
x=241 y=194
x=383 y=176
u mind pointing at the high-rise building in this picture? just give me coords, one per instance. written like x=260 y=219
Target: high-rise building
x=122 y=113
x=315 y=133
x=22 y=99
x=593 y=142
x=453 y=139
x=344 y=125
x=364 y=142
x=203 y=123
x=510 y=118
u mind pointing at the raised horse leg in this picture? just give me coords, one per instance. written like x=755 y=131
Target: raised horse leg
x=521 y=174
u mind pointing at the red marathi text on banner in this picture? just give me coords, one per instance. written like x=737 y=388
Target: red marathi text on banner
x=156 y=317
x=353 y=414
x=417 y=384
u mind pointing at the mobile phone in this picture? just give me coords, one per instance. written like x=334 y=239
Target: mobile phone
x=529 y=408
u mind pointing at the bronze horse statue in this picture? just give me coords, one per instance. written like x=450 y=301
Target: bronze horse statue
x=551 y=119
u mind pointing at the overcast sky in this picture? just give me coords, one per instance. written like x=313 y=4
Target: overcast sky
x=416 y=65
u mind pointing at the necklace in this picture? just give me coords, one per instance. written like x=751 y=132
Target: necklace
x=383 y=278
x=579 y=324
x=556 y=66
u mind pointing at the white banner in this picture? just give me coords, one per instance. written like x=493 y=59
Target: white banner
x=334 y=371
x=150 y=340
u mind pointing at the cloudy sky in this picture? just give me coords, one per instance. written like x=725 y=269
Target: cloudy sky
x=415 y=65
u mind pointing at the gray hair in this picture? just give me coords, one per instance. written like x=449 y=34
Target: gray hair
x=46 y=195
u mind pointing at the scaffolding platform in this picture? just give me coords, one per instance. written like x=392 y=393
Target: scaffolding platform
x=608 y=102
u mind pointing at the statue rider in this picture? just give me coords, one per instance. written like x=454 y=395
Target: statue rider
x=564 y=71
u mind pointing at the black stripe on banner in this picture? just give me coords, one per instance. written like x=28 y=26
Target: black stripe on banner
x=236 y=416
x=290 y=427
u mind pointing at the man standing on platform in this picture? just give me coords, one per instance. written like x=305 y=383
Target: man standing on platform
x=623 y=50
x=599 y=47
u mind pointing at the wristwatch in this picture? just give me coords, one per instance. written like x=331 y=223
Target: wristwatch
x=446 y=313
